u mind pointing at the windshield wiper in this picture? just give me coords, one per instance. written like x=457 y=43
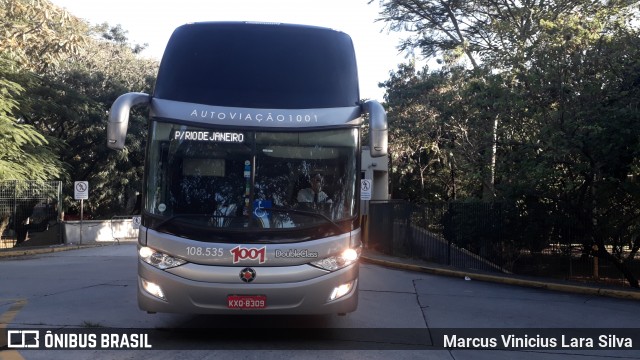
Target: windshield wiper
x=305 y=212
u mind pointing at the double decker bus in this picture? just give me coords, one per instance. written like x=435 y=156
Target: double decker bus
x=250 y=200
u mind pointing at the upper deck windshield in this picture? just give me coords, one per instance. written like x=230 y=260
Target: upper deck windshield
x=259 y=66
x=237 y=185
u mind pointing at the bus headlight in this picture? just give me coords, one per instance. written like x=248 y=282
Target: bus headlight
x=337 y=262
x=159 y=260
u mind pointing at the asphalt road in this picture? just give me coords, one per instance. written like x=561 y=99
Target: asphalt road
x=401 y=315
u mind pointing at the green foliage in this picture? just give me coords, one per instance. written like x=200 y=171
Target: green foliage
x=84 y=89
x=35 y=35
x=441 y=131
x=62 y=75
x=38 y=34
x=25 y=154
x=536 y=104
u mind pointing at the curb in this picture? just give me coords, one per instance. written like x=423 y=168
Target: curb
x=576 y=289
x=44 y=250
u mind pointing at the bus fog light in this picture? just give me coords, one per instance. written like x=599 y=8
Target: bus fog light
x=153 y=289
x=341 y=291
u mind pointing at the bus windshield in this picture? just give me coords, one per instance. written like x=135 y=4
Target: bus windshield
x=259 y=66
x=212 y=182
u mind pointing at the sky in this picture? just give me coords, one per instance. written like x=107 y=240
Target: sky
x=153 y=21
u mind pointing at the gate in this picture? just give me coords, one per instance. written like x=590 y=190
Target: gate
x=490 y=236
x=463 y=235
x=388 y=221
x=28 y=211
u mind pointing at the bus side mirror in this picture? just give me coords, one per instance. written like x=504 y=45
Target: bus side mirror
x=378 y=128
x=119 y=118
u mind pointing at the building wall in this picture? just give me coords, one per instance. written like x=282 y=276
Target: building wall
x=377 y=170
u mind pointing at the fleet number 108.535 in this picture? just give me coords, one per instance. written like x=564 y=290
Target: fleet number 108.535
x=204 y=251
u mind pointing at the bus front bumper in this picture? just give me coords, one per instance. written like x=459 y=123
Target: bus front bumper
x=308 y=297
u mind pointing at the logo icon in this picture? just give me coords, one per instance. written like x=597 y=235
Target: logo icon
x=23 y=339
x=247 y=275
x=241 y=253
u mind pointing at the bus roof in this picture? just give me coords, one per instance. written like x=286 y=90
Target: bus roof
x=259 y=65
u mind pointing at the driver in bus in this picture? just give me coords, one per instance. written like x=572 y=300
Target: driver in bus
x=314 y=194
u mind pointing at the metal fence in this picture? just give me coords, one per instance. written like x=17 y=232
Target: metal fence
x=29 y=210
x=479 y=236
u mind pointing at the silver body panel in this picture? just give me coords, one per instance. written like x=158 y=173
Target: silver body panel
x=229 y=274
x=199 y=297
x=280 y=254
x=262 y=118
x=291 y=285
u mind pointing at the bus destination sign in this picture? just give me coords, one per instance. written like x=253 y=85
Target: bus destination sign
x=213 y=136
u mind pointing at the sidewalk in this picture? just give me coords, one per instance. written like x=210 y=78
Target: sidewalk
x=373 y=257
x=36 y=250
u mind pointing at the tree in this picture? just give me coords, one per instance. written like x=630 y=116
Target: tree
x=72 y=103
x=409 y=96
x=500 y=34
x=543 y=112
x=37 y=35
x=26 y=154
x=33 y=36
x=440 y=122
x=590 y=143
x=495 y=37
x=60 y=78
